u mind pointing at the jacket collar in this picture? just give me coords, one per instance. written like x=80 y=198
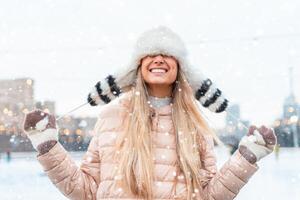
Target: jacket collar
x=164 y=110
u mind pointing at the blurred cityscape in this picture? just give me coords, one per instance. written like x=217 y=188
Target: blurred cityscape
x=17 y=99
x=287 y=127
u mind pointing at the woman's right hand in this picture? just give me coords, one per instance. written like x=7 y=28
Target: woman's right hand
x=40 y=127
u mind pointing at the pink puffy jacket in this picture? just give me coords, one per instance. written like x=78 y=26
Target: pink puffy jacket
x=94 y=178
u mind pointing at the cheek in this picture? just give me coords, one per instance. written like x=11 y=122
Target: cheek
x=145 y=72
x=144 y=64
x=173 y=71
x=173 y=74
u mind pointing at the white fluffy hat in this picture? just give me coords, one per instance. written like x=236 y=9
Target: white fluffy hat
x=159 y=40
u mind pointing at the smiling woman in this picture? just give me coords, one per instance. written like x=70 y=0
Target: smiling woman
x=159 y=72
x=150 y=147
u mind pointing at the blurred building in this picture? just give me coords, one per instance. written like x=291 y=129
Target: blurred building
x=235 y=127
x=46 y=106
x=75 y=132
x=290 y=107
x=16 y=99
x=287 y=128
x=234 y=115
x=17 y=94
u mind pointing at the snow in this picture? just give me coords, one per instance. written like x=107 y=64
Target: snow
x=277 y=179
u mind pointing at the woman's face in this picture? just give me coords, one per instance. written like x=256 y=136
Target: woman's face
x=159 y=69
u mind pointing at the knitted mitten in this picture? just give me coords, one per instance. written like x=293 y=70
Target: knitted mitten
x=258 y=143
x=40 y=127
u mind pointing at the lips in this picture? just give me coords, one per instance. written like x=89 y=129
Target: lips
x=158 y=70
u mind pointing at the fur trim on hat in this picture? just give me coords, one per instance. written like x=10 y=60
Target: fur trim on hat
x=160 y=40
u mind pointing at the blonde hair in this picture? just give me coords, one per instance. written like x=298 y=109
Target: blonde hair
x=134 y=148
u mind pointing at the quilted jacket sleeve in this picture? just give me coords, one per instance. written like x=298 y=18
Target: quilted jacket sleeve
x=73 y=181
x=225 y=184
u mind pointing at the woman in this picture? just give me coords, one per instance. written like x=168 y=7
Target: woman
x=152 y=141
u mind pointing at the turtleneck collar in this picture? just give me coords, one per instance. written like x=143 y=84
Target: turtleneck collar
x=158 y=102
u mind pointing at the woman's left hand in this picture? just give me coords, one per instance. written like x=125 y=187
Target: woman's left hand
x=258 y=143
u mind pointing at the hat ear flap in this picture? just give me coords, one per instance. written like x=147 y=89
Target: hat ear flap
x=114 y=88
x=211 y=97
x=107 y=90
x=104 y=91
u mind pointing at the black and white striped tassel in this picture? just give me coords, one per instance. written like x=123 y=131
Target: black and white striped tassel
x=96 y=97
x=211 y=97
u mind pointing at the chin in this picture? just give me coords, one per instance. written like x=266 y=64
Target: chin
x=163 y=83
x=158 y=81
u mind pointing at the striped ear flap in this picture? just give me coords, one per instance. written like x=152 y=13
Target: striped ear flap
x=104 y=92
x=209 y=96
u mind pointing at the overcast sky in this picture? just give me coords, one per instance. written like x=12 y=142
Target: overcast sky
x=66 y=46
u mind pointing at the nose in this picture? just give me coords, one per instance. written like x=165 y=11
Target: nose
x=159 y=60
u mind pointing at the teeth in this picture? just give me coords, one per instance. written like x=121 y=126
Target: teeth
x=158 y=70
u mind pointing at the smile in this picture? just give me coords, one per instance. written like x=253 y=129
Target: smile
x=158 y=70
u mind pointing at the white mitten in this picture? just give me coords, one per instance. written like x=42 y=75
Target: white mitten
x=257 y=144
x=40 y=127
